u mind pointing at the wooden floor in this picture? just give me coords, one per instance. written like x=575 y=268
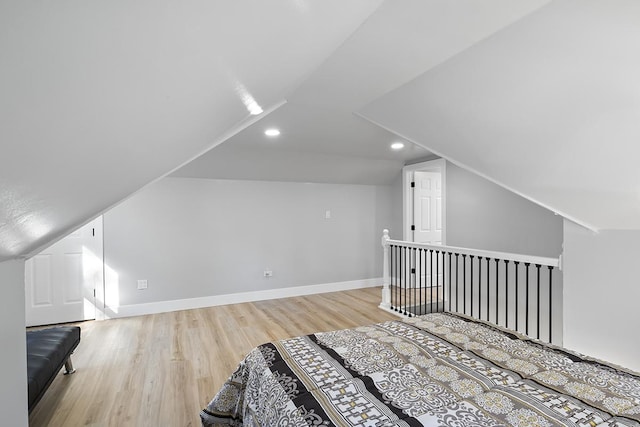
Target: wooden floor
x=162 y=369
x=417 y=300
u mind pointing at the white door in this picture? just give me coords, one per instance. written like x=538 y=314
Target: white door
x=427 y=207
x=61 y=280
x=427 y=222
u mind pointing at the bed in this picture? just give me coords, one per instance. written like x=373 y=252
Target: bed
x=438 y=369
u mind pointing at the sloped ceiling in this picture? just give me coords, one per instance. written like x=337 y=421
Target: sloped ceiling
x=322 y=139
x=99 y=98
x=548 y=107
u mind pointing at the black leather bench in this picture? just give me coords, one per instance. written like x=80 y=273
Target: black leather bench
x=47 y=351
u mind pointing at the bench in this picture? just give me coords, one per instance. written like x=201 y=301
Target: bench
x=47 y=351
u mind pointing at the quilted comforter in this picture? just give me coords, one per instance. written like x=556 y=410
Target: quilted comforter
x=433 y=370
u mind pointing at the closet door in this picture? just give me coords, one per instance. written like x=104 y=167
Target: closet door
x=61 y=281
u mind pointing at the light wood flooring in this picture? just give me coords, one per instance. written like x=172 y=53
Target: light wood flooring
x=162 y=369
x=419 y=300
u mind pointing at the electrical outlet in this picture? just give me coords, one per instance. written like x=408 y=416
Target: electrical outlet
x=268 y=273
x=142 y=284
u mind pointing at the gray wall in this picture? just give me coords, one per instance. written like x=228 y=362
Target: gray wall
x=483 y=215
x=396 y=208
x=200 y=237
x=601 y=293
x=13 y=357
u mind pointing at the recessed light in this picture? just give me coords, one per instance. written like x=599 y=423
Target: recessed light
x=397 y=146
x=272 y=132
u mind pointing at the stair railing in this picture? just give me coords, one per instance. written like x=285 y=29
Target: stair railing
x=518 y=292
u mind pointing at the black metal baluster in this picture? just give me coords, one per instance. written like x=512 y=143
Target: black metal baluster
x=419 y=278
x=550 y=301
x=538 y=299
x=450 y=295
x=394 y=278
x=464 y=283
x=497 y=289
x=426 y=284
x=479 y=287
x=431 y=279
x=398 y=278
x=407 y=272
x=516 y=263
x=526 y=329
x=471 y=280
x=488 y=293
x=438 y=282
x=391 y=255
x=506 y=289
x=398 y=301
x=407 y=277
x=457 y=285
x=425 y=267
x=400 y=273
x=404 y=285
x=423 y=283
x=414 y=252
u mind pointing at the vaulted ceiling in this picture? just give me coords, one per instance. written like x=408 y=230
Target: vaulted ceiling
x=322 y=138
x=549 y=108
x=100 y=98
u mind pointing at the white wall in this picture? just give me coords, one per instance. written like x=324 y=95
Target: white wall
x=13 y=357
x=194 y=238
x=601 y=294
x=483 y=215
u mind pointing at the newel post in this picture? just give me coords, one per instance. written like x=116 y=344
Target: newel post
x=386 y=292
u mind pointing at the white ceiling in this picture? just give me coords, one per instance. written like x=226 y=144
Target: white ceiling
x=322 y=139
x=100 y=98
x=549 y=108
x=316 y=145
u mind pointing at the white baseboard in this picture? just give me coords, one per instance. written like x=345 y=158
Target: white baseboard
x=213 y=300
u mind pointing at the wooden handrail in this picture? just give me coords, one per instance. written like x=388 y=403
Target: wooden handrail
x=410 y=270
x=532 y=259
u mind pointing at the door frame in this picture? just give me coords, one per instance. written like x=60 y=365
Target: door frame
x=437 y=165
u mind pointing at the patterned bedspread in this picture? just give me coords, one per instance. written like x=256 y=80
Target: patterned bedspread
x=433 y=370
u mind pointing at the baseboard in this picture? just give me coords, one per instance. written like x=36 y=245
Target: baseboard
x=213 y=300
